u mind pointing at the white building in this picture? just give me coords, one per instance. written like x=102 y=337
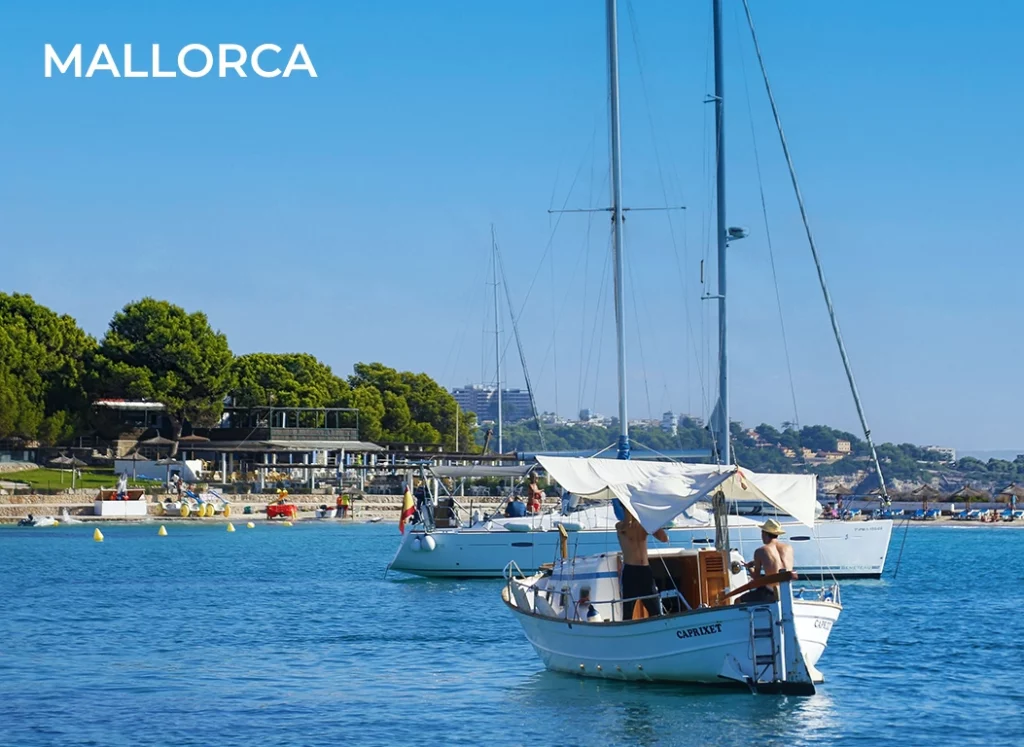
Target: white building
x=669 y=423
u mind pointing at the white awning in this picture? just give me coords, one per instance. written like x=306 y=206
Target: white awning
x=657 y=492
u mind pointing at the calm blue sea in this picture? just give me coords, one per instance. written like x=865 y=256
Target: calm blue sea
x=292 y=636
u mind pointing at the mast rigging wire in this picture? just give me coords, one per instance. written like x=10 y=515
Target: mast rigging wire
x=817 y=260
x=519 y=345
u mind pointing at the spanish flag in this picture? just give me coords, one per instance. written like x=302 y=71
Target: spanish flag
x=407 y=510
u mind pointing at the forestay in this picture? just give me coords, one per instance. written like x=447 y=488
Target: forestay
x=657 y=492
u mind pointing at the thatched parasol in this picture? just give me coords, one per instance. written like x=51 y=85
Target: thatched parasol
x=1011 y=492
x=968 y=494
x=192 y=439
x=66 y=461
x=157 y=441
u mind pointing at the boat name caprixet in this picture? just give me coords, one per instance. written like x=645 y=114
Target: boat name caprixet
x=700 y=630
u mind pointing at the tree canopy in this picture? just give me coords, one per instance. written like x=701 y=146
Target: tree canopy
x=43 y=363
x=413 y=407
x=156 y=350
x=286 y=380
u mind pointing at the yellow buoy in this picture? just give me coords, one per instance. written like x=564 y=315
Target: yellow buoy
x=162 y=531
x=227 y=511
x=231 y=527
x=286 y=523
x=250 y=525
x=184 y=510
x=97 y=535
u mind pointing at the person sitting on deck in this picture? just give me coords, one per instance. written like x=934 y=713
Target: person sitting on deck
x=637 y=578
x=515 y=508
x=585 y=610
x=772 y=557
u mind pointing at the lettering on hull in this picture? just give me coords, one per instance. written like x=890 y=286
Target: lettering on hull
x=699 y=630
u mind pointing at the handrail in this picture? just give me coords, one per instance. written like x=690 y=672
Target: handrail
x=757 y=583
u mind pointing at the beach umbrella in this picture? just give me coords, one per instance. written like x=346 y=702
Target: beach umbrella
x=156 y=442
x=925 y=493
x=66 y=461
x=192 y=438
x=134 y=457
x=1012 y=493
x=968 y=494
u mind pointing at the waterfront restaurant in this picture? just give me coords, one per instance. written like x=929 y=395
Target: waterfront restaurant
x=305 y=445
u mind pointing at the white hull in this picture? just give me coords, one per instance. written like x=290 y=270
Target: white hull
x=843 y=549
x=769 y=646
x=653 y=650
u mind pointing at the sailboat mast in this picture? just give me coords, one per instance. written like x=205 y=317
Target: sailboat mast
x=497 y=333
x=617 y=220
x=724 y=451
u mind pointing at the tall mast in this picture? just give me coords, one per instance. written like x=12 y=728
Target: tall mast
x=617 y=220
x=724 y=451
x=497 y=332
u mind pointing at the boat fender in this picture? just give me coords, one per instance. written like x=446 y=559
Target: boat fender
x=518 y=527
x=416 y=545
x=428 y=543
x=571 y=526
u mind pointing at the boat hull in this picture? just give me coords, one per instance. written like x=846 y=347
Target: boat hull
x=839 y=549
x=705 y=646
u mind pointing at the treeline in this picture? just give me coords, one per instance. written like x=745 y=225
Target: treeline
x=51 y=371
x=764 y=453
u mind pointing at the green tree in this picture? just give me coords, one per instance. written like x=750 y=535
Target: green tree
x=418 y=410
x=370 y=404
x=158 y=351
x=43 y=363
x=287 y=380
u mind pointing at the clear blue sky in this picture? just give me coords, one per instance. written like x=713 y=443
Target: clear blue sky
x=349 y=216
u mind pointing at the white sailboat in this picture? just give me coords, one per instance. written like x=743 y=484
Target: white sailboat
x=482 y=546
x=465 y=545
x=574 y=613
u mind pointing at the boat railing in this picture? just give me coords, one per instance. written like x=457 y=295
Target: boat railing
x=568 y=611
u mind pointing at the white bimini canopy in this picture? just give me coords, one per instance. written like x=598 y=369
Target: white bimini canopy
x=657 y=492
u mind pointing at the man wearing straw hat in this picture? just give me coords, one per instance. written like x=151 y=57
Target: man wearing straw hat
x=771 y=557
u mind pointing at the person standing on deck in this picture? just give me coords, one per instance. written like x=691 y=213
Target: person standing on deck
x=536 y=495
x=637 y=578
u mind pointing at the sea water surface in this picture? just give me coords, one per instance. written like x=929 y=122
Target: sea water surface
x=293 y=636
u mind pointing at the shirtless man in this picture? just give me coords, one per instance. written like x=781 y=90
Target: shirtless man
x=637 y=579
x=773 y=556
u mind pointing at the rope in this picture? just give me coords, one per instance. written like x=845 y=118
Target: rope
x=519 y=345
x=899 y=558
x=814 y=253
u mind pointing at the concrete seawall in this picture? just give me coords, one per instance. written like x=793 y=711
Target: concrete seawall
x=80 y=505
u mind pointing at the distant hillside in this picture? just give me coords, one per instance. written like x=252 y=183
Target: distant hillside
x=838 y=457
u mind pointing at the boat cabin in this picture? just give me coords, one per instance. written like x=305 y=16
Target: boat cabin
x=686 y=579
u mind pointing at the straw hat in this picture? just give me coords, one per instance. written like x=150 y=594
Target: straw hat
x=773 y=527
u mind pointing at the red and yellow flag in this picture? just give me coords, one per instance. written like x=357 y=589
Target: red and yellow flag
x=408 y=507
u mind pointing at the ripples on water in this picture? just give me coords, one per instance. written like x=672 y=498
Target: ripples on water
x=291 y=635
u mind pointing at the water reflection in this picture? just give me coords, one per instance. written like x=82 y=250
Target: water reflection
x=656 y=713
